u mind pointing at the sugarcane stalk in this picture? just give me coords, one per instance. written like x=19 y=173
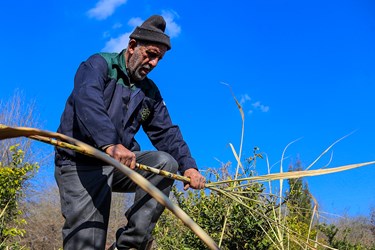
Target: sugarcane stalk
x=64 y=141
x=163 y=173
x=61 y=144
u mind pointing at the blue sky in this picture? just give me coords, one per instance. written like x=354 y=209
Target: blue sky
x=301 y=69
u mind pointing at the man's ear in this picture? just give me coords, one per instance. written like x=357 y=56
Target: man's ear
x=131 y=46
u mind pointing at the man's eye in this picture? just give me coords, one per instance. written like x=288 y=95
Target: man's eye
x=152 y=55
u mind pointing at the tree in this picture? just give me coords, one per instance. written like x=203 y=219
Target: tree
x=349 y=233
x=298 y=197
x=18 y=165
x=17 y=112
x=372 y=221
x=13 y=178
x=299 y=207
x=44 y=220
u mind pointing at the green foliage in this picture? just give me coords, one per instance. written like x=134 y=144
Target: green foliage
x=13 y=177
x=245 y=227
x=341 y=237
x=259 y=219
x=330 y=231
x=243 y=231
x=298 y=197
x=299 y=205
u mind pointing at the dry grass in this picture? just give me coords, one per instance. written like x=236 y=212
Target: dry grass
x=278 y=232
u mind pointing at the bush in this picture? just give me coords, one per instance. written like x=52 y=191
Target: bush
x=14 y=174
x=245 y=226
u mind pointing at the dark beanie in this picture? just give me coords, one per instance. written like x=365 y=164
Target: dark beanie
x=152 y=30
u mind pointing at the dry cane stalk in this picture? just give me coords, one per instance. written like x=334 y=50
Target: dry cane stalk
x=44 y=136
x=65 y=141
x=212 y=185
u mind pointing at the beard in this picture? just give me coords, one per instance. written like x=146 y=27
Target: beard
x=136 y=70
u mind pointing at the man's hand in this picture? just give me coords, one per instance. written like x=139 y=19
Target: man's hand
x=197 y=180
x=122 y=154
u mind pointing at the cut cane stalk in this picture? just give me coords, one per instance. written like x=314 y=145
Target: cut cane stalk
x=64 y=141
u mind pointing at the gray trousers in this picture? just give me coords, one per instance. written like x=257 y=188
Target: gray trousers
x=85 y=193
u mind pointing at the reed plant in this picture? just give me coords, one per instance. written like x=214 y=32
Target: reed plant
x=244 y=210
x=240 y=211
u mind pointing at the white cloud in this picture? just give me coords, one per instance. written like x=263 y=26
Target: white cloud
x=265 y=108
x=135 y=21
x=121 y=42
x=244 y=99
x=173 y=29
x=117 y=44
x=257 y=105
x=106 y=34
x=117 y=26
x=105 y=8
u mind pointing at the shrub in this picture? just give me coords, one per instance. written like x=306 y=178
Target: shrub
x=13 y=179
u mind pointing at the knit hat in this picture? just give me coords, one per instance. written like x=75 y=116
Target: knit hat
x=152 y=30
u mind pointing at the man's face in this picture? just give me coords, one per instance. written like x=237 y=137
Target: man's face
x=143 y=59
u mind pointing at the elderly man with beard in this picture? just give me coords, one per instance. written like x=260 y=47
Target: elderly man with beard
x=111 y=99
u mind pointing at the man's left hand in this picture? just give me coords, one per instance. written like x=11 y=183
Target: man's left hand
x=197 y=181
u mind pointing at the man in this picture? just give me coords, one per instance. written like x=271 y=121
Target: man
x=112 y=98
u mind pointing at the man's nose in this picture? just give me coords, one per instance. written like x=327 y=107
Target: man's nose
x=154 y=61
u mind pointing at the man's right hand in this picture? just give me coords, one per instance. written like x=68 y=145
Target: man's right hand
x=197 y=181
x=122 y=154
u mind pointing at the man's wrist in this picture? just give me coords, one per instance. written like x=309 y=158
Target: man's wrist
x=196 y=169
x=103 y=148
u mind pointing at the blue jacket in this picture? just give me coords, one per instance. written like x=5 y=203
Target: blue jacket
x=106 y=108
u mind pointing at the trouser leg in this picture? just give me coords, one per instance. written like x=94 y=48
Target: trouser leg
x=145 y=212
x=85 y=193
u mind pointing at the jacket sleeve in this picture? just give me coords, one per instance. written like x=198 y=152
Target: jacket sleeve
x=167 y=137
x=88 y=95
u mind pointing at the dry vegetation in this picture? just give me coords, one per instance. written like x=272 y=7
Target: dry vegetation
x=241 y=210
x=44 y=219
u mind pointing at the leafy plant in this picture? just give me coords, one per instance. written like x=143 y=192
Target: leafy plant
x=13 y=178
x=244 y=231
x=299 y=204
